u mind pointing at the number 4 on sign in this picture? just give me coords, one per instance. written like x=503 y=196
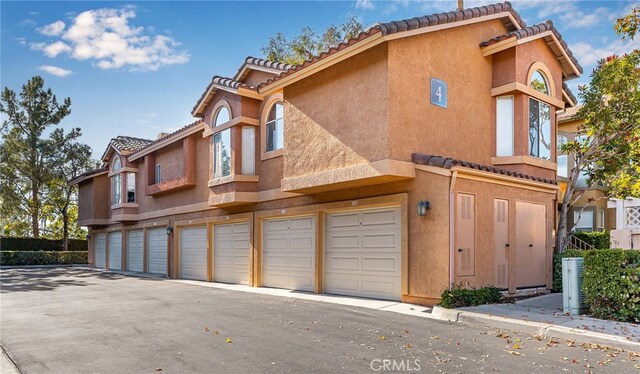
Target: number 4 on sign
x=438 y=93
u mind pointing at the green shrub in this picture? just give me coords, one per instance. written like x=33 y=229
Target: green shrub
x=33 y=244
x=611 y=284
x=17 y=258
x=598 y=239
x=557 y=266
x=461 y=297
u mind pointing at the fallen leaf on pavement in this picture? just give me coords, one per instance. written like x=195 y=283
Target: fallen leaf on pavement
x=435 y=337
x=228 y=340
x=515 y=353
x=382 y=338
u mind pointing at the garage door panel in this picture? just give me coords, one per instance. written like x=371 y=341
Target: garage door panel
x=364 y=259
x=115 y=250
x=231 y=253
x=383 y=217
x=343 y=220
x=289 y=253
x=381 y=264
x=157 y=252
x=193 y=253
x=135 y=251
x=101 y=250
x=384 y=241
x=305 y=223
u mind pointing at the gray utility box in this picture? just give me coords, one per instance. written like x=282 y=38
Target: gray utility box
x=573 y=300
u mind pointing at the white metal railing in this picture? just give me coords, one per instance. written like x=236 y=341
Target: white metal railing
x=627 y=213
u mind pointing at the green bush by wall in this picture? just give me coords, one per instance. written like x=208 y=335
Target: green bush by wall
x=557 y=266
x=598 y=239
x=461 y=297
x=17 y=258
x=32 y=244
x=611 y=284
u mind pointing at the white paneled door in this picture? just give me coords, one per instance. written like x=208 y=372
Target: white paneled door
x=157 y=256
x=135 y=251
x=115 y=250
x=193 y=253
x=363 y=253
x=231 y=253
x=101 y=251
x=288 y=254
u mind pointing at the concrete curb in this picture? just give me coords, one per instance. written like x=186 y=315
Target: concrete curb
x=7 y=366
x=545 y=330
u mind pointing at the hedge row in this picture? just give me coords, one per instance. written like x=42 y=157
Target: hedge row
x=18 y=258
x=611 y=284
x=598 y=239
x=461 y=297
x=32 y=244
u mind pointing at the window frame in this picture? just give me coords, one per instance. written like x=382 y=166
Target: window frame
x=266 y=107
x=129 y=177
x=215 y=166
x=539 y=130
x=274 y=122
x=157 y=173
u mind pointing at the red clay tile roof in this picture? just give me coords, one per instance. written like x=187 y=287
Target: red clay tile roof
x=86 y=174
x=532 y=31
x=406 y=25
x=447 y=163
x=221 y=81
x=566 y=89
x=178 y=131
x=126 y=143
x=569 y=114
x=256 y=61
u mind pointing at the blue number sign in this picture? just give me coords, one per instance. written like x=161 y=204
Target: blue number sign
x=438 y=93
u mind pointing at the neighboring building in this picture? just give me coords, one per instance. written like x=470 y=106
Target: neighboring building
x=315 y=177
x=590 y=212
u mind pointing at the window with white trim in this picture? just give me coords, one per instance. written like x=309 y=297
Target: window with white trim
x=504 y=126
x=248 y=150
x=222 y=145
x=582 y=220
x=539 y=119
x=563 y=159
x=116 y=186
x=131 y=187
x=158 y=174
x=275 y=127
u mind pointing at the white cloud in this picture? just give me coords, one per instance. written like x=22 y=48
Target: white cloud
x=364 y=4
x=54 y=70
x=588 y=55
x=52 y=29
x=106 y=37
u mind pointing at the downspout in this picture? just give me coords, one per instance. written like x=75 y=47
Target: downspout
x=452 y=186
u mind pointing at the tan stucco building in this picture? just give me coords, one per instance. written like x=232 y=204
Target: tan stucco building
x=318 y=177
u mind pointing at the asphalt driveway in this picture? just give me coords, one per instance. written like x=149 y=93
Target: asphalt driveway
x=81 y=321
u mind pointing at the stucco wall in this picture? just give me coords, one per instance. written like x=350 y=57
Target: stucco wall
x=337 y=117
x=463 y=130
x=170 y=159
x=85 y=200
x=254 y=77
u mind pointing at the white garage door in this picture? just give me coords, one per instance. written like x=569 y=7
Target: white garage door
x=193 y=253
x=135 y=251
x=115 y=250
x=101 y=251
x=231 y=253
x=289 y=253
x=157 y=256
x=362 y=253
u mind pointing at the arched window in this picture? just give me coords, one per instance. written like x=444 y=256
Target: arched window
x=539 y=82
x=275 y=127
x=117 y=182
x=222 y=116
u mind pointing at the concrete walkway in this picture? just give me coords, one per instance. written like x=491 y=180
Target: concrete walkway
x=543 y=315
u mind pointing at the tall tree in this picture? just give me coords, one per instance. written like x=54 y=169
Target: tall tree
x=609 y=151
x=23 y=151
x=308 y=43
x=73 y=158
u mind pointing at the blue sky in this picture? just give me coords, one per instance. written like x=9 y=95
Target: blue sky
x=137 y=68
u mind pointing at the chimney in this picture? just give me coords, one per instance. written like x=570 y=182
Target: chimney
x=161 y=135
x=460 y=4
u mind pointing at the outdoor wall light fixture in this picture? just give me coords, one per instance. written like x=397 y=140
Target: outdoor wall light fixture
x=169 y=230
x=423 y=206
